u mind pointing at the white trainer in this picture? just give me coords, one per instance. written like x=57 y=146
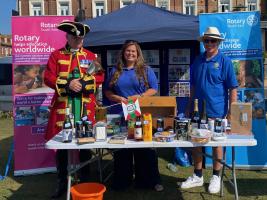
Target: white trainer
x=215 y=184
x=192 y=181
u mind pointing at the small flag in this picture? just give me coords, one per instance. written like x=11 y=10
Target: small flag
x=131 y=109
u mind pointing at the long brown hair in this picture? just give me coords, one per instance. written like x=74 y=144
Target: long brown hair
x=139 y=65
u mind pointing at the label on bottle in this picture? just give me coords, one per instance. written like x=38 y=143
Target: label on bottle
x=145 y=122
x=84 y=118
x=67 y=125
x=211 y=124
x=67 y=135
x=194 y=125
x=196 y=118
x=138 y=133
x=203 y=126
x=203 y=121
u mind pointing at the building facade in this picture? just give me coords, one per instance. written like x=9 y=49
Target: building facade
x=86 y=9
x=5 y=45
x=94 y=8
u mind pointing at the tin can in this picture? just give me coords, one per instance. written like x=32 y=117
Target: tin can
x=211 y=124
x=181 y=128
x=79 y=129
x=160 y=124
x=88 y=129
x=224 y=125
x=218 y=125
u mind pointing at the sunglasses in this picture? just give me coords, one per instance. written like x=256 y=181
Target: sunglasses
x=206 y=41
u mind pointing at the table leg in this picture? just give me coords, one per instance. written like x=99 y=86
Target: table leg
x=223 y=171
x=69 y=174
x=233 y=173
x=99 y=160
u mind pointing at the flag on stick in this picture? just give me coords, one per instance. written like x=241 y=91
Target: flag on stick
x=131 y=109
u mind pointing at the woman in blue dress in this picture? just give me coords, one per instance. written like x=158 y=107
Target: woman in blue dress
x=131 y=78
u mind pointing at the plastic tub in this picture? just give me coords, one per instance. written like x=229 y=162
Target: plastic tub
x=88 y=191
x=164 y=136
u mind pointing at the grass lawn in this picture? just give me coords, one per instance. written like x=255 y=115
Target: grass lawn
x=251 y=184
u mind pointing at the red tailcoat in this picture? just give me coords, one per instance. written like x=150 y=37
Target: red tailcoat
x=60 y=64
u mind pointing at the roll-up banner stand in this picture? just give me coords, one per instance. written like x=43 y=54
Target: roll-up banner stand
x=241 y=31
x=33 y=38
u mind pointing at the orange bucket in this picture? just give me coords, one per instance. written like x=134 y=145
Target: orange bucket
x=88 y=191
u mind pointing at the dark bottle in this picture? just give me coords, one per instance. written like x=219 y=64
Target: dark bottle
x=130 y=128
x=88 y=129
x=79 y=129
x=84 y=115
x=138 y=135
x=195 y=117
x=67 y=127
x=203 y=119
x=75 y=73
x=160 y=124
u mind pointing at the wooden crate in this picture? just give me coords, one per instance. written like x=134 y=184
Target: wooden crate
x=159 y=107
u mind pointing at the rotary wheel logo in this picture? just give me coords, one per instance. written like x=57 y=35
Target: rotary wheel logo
x=252 y=20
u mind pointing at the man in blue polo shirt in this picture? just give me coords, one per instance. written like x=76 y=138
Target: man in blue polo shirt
x=213 y=80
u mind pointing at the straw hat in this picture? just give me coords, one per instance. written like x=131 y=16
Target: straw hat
x=211 y=32
x=74 y=28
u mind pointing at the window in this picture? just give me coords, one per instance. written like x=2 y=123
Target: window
x=99 y=7
x=224 y=6
x=190 y=7
x=36 y=7
x=163 y=4
x=64 y=7
x=124 y=3
x=252 y=5
x=6 y=51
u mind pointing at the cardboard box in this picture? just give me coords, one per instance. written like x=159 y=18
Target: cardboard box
x=159 y=107
x=241 y=118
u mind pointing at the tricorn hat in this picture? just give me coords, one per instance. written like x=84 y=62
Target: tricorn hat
x=211 y=32
x=74 y=28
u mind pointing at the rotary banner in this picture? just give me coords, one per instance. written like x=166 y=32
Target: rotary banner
x=31 y=48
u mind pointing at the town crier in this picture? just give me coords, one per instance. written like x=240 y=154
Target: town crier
x=71 y=73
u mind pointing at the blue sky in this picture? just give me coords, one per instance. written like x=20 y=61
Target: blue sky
x=6 y=7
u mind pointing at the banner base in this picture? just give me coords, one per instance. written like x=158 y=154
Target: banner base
x=34 y=171
x=246 y=167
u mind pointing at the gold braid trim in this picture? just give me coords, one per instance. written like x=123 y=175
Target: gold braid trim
x=61 y=111
x=60 y=123
x=63 y=62
x=59 y=90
